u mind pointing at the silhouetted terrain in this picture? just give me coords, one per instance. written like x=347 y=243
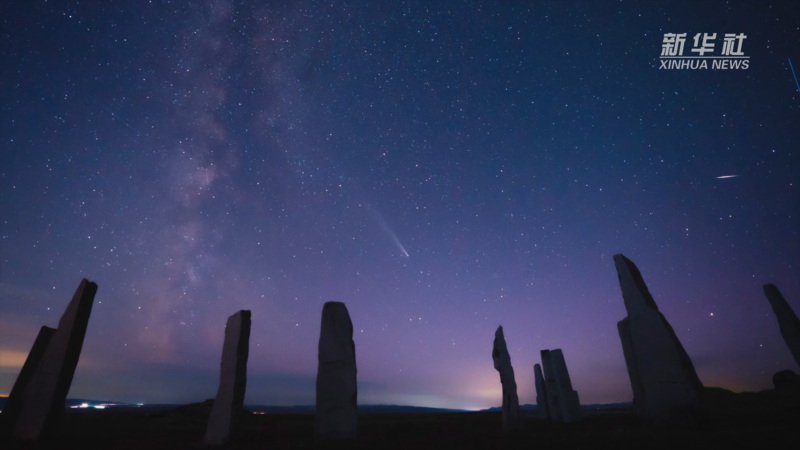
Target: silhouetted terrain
x=593 y=407
x=761 y=420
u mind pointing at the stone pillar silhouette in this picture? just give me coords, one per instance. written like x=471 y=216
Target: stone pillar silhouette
x=562 y=401
x=542 y=410
x=44 y=396
x=337 y=390
x=788 y=322
x=228 y=404
x=14 y=402
x=512 y=420
x=665 y=386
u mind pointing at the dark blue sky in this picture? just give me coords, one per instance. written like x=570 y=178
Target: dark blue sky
x=441 y=167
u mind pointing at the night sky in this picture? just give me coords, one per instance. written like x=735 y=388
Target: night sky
x=441 y=167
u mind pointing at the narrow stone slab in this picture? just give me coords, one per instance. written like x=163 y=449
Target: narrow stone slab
x=542 y=410
x=562 y=401
x=665 y=386
x=337 y=390
x=512 y=420
x=228 y=405
x=11 y=411
x=788 y=322
x=44 y=396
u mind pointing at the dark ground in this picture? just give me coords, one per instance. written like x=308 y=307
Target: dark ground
x=184 y=428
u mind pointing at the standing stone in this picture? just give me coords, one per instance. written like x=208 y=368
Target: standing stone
x=14 y=402
x=502 y=363
x=337 y=392
x=541 y=393
x=228 y=405
x=787 y=320
x=44 y=396
x=665 y=386
x=562 y=401
x=786 y=381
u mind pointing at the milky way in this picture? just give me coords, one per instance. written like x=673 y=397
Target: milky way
x=441 y=168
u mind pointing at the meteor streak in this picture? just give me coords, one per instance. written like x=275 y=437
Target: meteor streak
x=795 y=76
x=727 y=176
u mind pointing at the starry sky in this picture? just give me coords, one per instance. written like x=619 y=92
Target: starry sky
x=441 y=167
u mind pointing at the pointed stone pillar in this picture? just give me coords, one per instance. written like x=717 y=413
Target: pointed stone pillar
x=14 y=402
x=788 y=322
x=337 y=390
x=44 y=396
x=542 y=410
x=228 y=405
x=512 y=420
x=562 y=401
x=665 y=386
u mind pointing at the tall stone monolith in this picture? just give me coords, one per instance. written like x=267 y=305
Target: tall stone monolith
x=337 y=391
x=665 y=386
x=228 y=404
x=512 y=420
x=13 y=407
x=44 y=396
x=542 y=409
x=562 y=401
x=788 y=322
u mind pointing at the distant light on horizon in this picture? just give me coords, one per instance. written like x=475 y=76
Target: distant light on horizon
x=98 y=406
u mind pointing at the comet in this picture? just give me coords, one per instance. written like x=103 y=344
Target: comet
x=388 y=230
x=394 y=237
x=399 y=245
x=727 y=176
